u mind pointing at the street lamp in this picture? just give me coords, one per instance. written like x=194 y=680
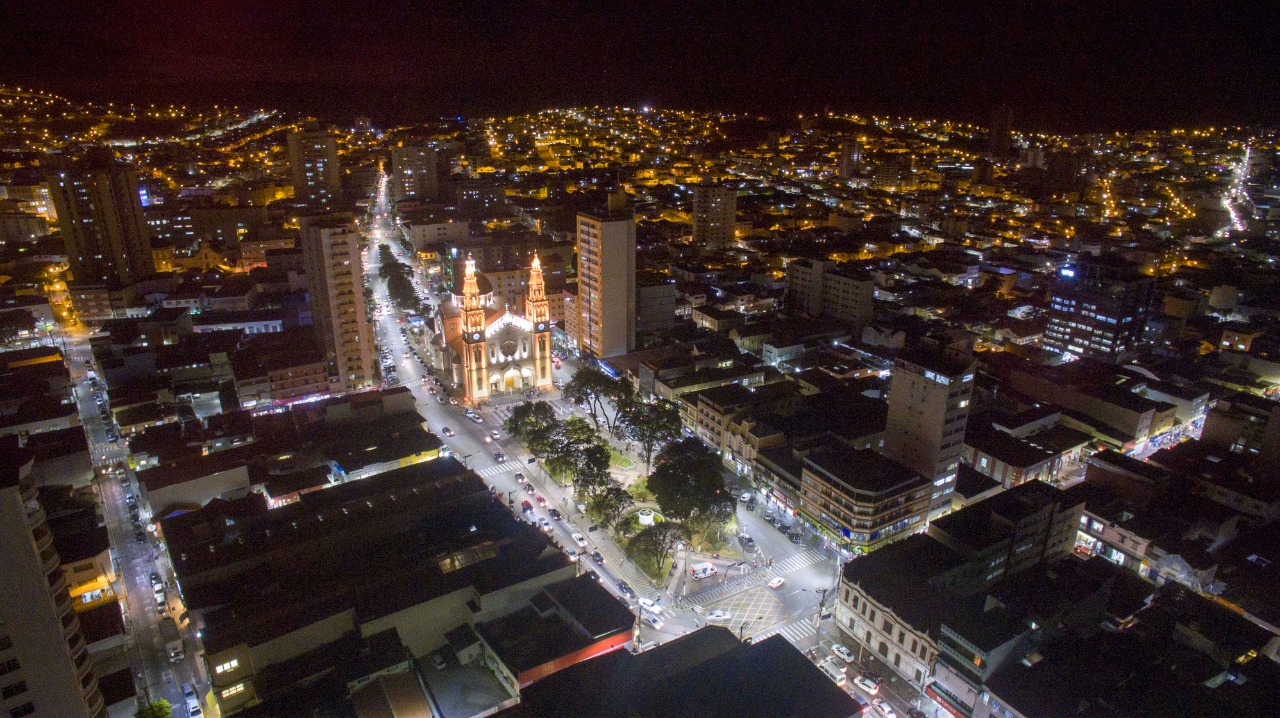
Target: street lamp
x=742 y=629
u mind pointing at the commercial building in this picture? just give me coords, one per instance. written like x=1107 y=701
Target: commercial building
x=715 y=216
x=929 y=394
x=820 y=288
x=100 y=217
x=1099 y=309
x=314 y=166
x=45 y=666
x=860 y=498
x=414 y=172
x=607 y=279
x=335 y=279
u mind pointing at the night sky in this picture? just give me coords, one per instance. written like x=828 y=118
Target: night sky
x=1058 y=65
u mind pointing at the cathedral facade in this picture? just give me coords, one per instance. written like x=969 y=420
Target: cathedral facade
x=489 y=350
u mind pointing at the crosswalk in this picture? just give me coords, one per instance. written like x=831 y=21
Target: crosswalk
x=620 y=565
x=797 y=562
x=502 y=412
x=742 y=583
x=797 y=631
x=499 y=469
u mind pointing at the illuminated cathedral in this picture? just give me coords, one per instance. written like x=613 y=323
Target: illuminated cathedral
x=489 y=350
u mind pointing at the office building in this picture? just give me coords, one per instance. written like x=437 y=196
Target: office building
x=850 y=157
x=715 y=213
x=331 y=253
x=861 y=499
x=895 y=173
x=414 y=173
x=100 y=216
x=313 y=162
x=822 y=289
x=929 y=394
x=607 y=279
x=45 y=666
x=1099 y=309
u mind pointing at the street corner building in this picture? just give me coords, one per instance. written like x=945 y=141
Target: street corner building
x=489 y=350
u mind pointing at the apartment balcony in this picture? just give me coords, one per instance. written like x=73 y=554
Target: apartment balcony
x=79 y=646
x=97 y=707
x=63 y=601
x=35 y=514
x=57 y=582
x=84 y=663
x=43 y=537
x=70 y=625
x=50 y=560
x=29 y=492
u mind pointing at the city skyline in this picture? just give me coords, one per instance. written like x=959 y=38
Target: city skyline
x=1063 y=67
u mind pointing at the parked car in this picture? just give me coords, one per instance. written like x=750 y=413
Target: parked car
x=140 y=536
x=438 y=661
x=885 y=709
x=868 y=684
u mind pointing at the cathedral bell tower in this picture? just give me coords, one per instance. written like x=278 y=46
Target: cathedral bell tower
x=538 y=312
x=475 y=363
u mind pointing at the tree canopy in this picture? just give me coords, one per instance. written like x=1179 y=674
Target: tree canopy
x=687 y=480
x=650 y=425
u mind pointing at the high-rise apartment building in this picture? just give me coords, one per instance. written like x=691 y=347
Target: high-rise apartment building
x=823 y=289
x=335 y=282
x=929 y=395
x=895 y=172
x=850 y=157
x=45 y=666
x=607 y=279
x=100 y=215
x=414 y=172
x=715 y=216
x=313 y=162
x=1099 y=309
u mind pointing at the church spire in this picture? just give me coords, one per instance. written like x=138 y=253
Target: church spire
x=536 y=308
x=472 y=309
x=469 y=286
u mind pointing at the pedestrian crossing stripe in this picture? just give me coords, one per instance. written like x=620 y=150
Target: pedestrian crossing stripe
x=795 y=632
x=501 y=468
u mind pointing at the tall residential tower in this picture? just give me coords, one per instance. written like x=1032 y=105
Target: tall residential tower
x=607 y=279
x=100 y=215
x=1099 y=309
x=414 y=172
x=929 y=395
x=335 y=282
x=45 y=666
x=715 y=216
x=313 y=162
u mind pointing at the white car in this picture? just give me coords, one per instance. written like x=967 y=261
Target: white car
x=649 y=605
x=776 y=583
x=845 y=654
x=579 y=539
x=885 y=709
x=545 y=525
x=866 y=684
x=718 y=615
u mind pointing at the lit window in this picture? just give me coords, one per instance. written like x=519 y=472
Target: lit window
x=228 y=692
x=230 y=665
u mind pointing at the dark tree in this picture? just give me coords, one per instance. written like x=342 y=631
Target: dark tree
x=659 y=540
x=650 y=425
x=687 y=480
x=610 y=504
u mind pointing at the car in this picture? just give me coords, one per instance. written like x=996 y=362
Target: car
x=797 y=537
x=648 y=604
x=592 y=574
x=916 y=713
x=155 y=579
x=751 y=505
x=526 y=507
x=446 y=431
x=140 y=536
x=442 y=399
x=769 y=517
x=528 y=489
x=555 y=514
x=597 y=557
x=544 y=524
x=746 y=496
x=719 y=615
x=834 y=671
x=867 y=684
x=844 y=653
x=438 y=661
x=885 y=709
x=776 y=583
x=625 y=589
x=430 y=389
x=192 y=701
x=500 y=457
x=476 y=418
x=579 y=539
x=493 y=434
x=573 y=554
x=746 y=541
x=542 y=501
x=520 y=478
x=654 y=621
x=469 y=412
